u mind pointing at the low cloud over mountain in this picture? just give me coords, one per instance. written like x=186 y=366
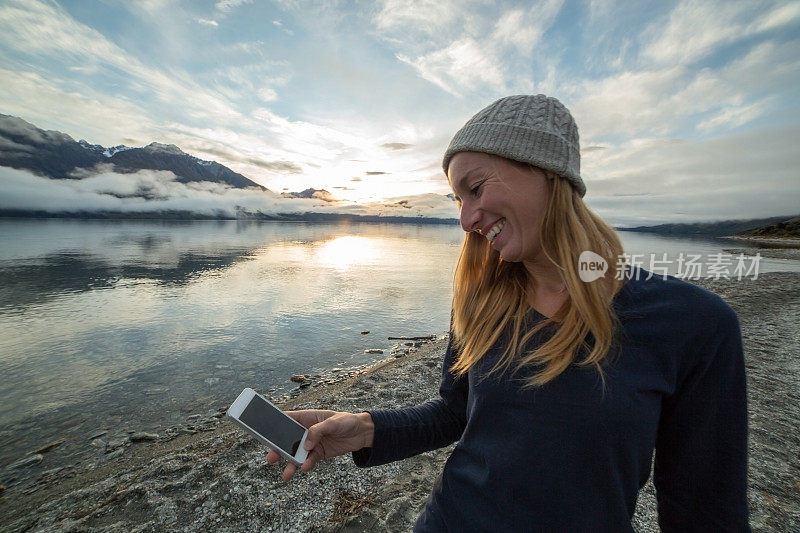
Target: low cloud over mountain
x=152 y=191
x=48 y=171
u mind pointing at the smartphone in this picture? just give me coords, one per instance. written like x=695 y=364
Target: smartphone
x=270 y=425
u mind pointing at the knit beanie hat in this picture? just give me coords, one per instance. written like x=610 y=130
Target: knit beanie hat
x=530 y=129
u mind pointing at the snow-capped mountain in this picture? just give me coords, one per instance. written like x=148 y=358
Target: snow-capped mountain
x=58 y=156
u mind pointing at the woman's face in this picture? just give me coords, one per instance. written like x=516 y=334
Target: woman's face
x=503 y=201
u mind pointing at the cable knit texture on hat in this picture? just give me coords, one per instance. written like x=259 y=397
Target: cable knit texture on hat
x=530 y=129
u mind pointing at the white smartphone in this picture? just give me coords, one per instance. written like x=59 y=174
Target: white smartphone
x=270 y=425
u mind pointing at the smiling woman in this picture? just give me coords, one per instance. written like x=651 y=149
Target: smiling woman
x=560 y=390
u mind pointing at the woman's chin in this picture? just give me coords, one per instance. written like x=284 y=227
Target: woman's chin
x=507 y=255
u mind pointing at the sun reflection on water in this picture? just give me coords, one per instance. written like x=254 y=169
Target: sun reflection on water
x=348 y=251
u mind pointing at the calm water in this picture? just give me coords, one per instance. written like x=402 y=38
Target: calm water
x=134 y=324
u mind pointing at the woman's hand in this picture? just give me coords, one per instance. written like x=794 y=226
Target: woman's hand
x=330 y=434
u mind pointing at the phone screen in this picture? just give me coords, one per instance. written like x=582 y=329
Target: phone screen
x=276 y=427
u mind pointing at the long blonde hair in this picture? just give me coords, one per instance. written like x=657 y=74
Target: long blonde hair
x=490 y=294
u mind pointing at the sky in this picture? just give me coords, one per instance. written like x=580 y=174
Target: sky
x=687 y=110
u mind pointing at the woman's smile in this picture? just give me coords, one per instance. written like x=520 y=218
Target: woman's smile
x=495 y=230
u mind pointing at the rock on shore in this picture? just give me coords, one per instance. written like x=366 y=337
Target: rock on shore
x=218 y=480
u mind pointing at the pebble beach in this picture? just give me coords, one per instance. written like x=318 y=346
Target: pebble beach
x=207 y=475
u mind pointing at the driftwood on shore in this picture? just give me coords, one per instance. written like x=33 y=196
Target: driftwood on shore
x=218 y=479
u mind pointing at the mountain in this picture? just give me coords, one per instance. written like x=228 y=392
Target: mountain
x=781 y=230
x=47 y=153
x=57 y=155
x=122 y=188
x=187 y=168
x=711 y=229
x=318 y=194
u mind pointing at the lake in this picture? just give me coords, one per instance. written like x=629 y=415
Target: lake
x=136 y=324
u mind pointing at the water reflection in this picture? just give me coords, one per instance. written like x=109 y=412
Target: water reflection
x=41 y=260
x=140 y=322
x=38 y=280
x=136 y=321
x=348 y=250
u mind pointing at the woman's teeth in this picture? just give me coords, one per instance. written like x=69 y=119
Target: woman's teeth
x=495 y=230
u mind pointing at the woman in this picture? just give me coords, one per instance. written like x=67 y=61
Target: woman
x=560 y=390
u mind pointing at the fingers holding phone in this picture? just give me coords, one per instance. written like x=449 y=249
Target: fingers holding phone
x=289 y=470
x=330 y=434
x=337 y=433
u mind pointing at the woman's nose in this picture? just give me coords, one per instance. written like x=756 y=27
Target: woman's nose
x=469 y=217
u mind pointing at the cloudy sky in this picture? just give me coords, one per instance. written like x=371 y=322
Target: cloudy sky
x=687 y=110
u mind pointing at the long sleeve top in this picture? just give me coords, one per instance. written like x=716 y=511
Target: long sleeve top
x=571 y=455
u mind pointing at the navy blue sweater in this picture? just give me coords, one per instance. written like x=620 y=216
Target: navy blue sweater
x=572 y=455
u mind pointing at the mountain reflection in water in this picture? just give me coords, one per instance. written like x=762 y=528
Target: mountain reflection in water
x=132 y=324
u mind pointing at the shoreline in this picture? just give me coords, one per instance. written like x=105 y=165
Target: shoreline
x=26 y=493
x=217 y=479
x=781 y=242
x=769 y=243
x=45 y=458
x=774 y=248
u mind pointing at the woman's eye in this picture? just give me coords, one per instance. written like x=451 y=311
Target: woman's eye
x=476 y=189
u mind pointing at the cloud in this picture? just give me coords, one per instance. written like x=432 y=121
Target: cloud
x=463 y=48
x=323 y=154
x=665 y=100
x=110 y=191
x=358 y=89
x=84 y=114
x=695 y=29
x=213 y=111
x=397 y=146
x=747 y=175
x=417 y=19
x=208 y=22
x=592 y=148
x=783 y=15
x=238 y=82
x=524 y=29
x=733 y=116
x=39 y=30
x=462 y=66
x=229 y=5
x=632 y=103
x=267 y=95
x=280 y=25
x=279 y=166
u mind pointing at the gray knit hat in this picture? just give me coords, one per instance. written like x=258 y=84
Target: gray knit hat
x=530 y=129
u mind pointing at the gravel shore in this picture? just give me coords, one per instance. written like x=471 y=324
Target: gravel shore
x=215 y=477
